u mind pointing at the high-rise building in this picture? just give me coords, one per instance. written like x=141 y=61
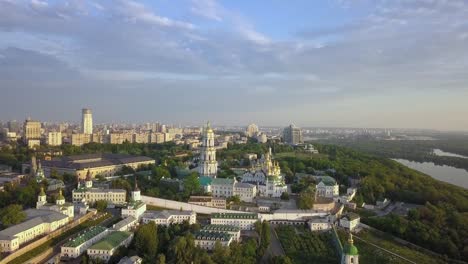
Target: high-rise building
x=32 y=131
x=13 y=126
x=292 y=135
x=54 y=138
x=252 y=130
x=208 y=166
x=87 y=121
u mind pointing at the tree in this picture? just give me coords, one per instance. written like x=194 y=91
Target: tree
x=161 y=259
x=307 y=198
x=220 y=253
x=285 y=196
x=101 y=205
x=12 y=215
x=191 y=183
x=146 y=242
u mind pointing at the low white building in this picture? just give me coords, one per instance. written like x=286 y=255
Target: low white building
x=327 y=187
x=106 y=247
x=350 y=221
x=167 y=217
x=245 y=191
x=207 y=240
x=86 y=191
x=216 y=202
x=243 y=221
x=38 y=223
x=79 y=244
x=319 y=224
x=126 y=224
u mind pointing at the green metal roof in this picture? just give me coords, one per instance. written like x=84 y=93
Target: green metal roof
x=205 y=180
x=221 y=228
x=222 y=181
x=234 y=215
x=350 y=249
x=111 y=241
x=85 y=236
x=207 y=235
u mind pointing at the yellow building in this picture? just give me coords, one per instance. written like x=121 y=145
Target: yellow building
x=105 y=164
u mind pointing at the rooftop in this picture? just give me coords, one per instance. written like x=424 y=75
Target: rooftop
x=221 y=228
x=222 y=181
x=111 y=241
x=85 y=236
x=207 y=235
x=234 y=216
x=328 y=181
x=34 y=217
x=124 y=222
x=351 y=216
x=87 y=161
x=205 y=180
x=165 y=214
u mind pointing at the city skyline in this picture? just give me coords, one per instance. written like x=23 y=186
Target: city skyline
x=386 y=64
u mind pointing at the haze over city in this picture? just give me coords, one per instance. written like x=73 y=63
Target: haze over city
x=314 y=63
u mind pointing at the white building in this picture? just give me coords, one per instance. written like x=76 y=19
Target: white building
x=85 y=191
x=60 y=205
x=265 y=173
x=135 y=208
x=54 y=138
x=38 y=223
x=243 y=221
x=327 y=187
x=230 y=187
x=251 y=130
x=208 y=166
x=292 y=135
x=127 y=224
x=319 y=224
x=207 y=240
x=86 y=121
x=350 y=221
x=106 y=247
x=216 y=202
x=79 y=244
x=167 y=217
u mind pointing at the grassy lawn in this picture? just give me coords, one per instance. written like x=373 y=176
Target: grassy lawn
x=371 y=254
x=303 y=246
x=54 y=241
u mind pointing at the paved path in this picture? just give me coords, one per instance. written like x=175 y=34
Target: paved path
x=275 y=248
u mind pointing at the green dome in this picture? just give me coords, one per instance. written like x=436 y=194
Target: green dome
x=351 y=250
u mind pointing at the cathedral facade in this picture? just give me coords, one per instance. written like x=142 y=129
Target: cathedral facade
x=265 y=173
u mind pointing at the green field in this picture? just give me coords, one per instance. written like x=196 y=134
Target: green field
x=303 y=246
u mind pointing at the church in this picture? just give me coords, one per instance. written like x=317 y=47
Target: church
x=265 y=173
x=208 y=166
x=60 y=206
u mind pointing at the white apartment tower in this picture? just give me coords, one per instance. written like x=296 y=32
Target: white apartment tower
x=208 y=166
x=87 y=121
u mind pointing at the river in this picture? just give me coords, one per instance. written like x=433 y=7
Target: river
x=439 y=152
x=444 y=173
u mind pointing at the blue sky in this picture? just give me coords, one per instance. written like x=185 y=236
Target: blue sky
x=366 y=63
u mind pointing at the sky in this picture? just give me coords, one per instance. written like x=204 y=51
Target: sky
x=337 y=63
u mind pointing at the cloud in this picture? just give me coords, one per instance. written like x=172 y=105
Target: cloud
x=209 y=9
x=137 y=12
